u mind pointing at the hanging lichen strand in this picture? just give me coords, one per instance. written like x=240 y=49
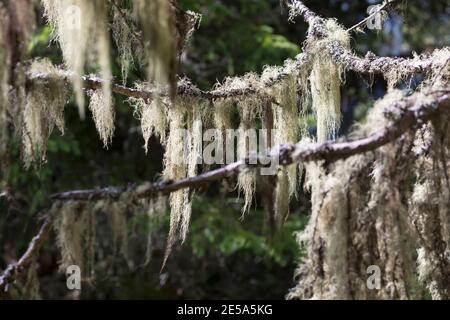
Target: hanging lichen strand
x=402 y=215
x=116 y=212
x=152 y=114
x=17 y=23
x=177 y=151
x=41 y=108
x=5 y=67
x=286 y=122
x=250 y=109
x=71 y=226
x=223 y=109
x=129 y=45
x=326 y=79
x=81 y=27
x=430 y=212
x=157 y=22
x=103 y=115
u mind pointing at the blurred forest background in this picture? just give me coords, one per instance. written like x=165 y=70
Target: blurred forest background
x=223 y=257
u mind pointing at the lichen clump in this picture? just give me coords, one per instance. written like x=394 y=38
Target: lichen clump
x=326 y=78
x=103 y=115
x=81 y=28
x=177 y=151
x=153 y=116
x=71 y=227
x=41 y=109
x=5 y=62
x=398 y=222
x=157 y=23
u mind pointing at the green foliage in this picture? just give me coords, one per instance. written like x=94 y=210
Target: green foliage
x=216 y=227
x=236 y=37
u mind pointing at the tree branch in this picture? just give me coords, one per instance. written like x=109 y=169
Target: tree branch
x=382 y=7
x=371 y=64
x=416 y=110
x=187 y=89
x=11 y=272
x=316 y=23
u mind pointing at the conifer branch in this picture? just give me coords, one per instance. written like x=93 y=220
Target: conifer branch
x=415 y=110
x=13 y=270
x=385 y=5
x=186 y=88
x=371 y=63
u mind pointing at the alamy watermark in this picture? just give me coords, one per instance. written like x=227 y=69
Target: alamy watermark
x=73 y=275
x=374 y=279
x=376 y=17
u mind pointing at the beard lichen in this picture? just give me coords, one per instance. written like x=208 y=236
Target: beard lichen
x=282 y=196
x=250 y=110
x=128 y=44
x=103 y=115
x=286 y=124
x=81 y=27
x=157 y=22
x=429 y=208
x=223 y=110
x=31 y=289
x=71 y=227
x=398 y=222
x=155 y=212
x=41 y=109
x=116 y=212
x=326 y=78
x=176 y=168
x=440 y=76
x=183 y=152
x=152 y=114
x=5 y=65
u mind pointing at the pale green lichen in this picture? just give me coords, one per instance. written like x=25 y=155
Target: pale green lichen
x=81 y=28
x=326 y=79
x=41 y=108
x=103 y=114
x=71 y=227
x=156 y=19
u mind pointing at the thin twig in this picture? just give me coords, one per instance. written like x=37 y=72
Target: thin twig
x=378 y=11
x=11 y=272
